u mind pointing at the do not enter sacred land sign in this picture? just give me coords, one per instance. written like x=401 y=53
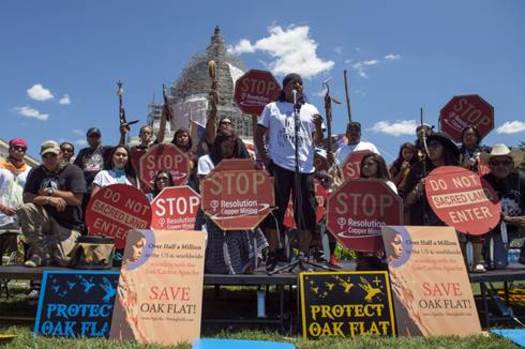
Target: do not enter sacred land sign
x=236 y=196
x=115 y=209
x=462 y=200
x=358 y=209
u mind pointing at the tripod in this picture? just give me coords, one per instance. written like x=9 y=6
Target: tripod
x=301 y=261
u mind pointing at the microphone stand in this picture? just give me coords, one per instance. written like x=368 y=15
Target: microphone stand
x=302 y=259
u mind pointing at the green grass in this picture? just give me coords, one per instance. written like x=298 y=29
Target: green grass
x=25 y=339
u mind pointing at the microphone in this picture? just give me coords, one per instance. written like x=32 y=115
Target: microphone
x=296 y=104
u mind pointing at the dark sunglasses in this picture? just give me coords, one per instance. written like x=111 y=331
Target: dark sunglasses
x=164 y=179
x=67 y=150
x=226 y=122
x=500 y=162
x=19 y=148
x=49 y=156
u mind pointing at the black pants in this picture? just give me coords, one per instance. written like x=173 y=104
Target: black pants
x=284 y=184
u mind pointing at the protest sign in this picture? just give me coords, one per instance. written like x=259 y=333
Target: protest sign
x=76 y=303
x=358 y=209
x=463 y=111
x=159 y=298
x=254 y=90
x=320 y=197
x=115 y=209
x=175 y=208
x=462 y=200
x=346 y=304
x=430 y=286
x=236 y=195
x=166 y=157
x=352 y=166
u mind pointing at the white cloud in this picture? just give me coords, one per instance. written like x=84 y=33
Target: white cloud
x=65 y=100
x=362 y=66
x=510 y=127
x=29 y=112
x=81 y=142
x=398 y=128
x=39 y=93
x=292 y=50
x=78 y=132
x=392 y=57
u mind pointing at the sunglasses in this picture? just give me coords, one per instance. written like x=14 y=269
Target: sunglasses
x=500 y=162
x=19 y=148
x=164 y=179
x=67 y=150
x=49 y=156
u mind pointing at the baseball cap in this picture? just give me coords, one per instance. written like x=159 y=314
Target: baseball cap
x=92 y=131
x=18 y=141
x=49 y=147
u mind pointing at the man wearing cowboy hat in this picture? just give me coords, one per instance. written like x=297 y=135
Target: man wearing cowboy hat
x=509 y=184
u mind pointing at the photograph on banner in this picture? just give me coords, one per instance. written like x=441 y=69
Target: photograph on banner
x=430 y=286
x=175 y=208
x=236 y=195
x=358 y=209
x=463 y=200
x=346 y=304
x=76 y=303
x=115 y=209
x=159 y=294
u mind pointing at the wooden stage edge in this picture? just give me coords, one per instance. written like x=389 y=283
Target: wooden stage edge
x=18 y=272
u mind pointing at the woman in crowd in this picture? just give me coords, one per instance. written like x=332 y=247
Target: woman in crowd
x=117 y=170
x=470 y=148
x=162 y=180
x=231 y=252
x=68 y=151
x=400 y=169
x=373 y=166
x=442 y=151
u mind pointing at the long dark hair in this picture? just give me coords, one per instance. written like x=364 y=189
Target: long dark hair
x=221 y=137
x=128 y=169
x=156 y=189
x=382 y=170
x=399 y=161
x=187 y=147
x=476 y=132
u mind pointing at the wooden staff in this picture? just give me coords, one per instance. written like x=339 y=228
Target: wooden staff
x=348 y=108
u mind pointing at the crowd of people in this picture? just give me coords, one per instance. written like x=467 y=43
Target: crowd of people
x=47 y=203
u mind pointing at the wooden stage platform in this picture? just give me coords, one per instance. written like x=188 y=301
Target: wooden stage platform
x=284 y=285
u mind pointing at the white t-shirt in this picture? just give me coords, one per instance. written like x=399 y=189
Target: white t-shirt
x=109 y=177
x=11 y=192
x=346 y=150
x=278 y=118
x=204 y=165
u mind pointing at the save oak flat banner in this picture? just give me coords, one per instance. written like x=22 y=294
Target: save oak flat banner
x=159 y=296
x=346 y=304
x=430 y=286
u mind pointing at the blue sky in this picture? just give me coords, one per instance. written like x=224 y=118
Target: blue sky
x=401 y=55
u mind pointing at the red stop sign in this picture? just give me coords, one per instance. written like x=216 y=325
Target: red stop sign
x=175 y=208
x=463 y=111
x=236 y=196
x=164 y=157
x=115 y=209
x=352 y=167
x=463 y=200
x=320 y=197
x=358 y=209
x=254 y=90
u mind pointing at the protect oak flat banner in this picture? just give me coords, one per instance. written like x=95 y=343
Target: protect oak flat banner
x=430 y=286
x=159 y=297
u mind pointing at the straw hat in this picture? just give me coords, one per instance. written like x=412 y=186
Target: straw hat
x=502 y=150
